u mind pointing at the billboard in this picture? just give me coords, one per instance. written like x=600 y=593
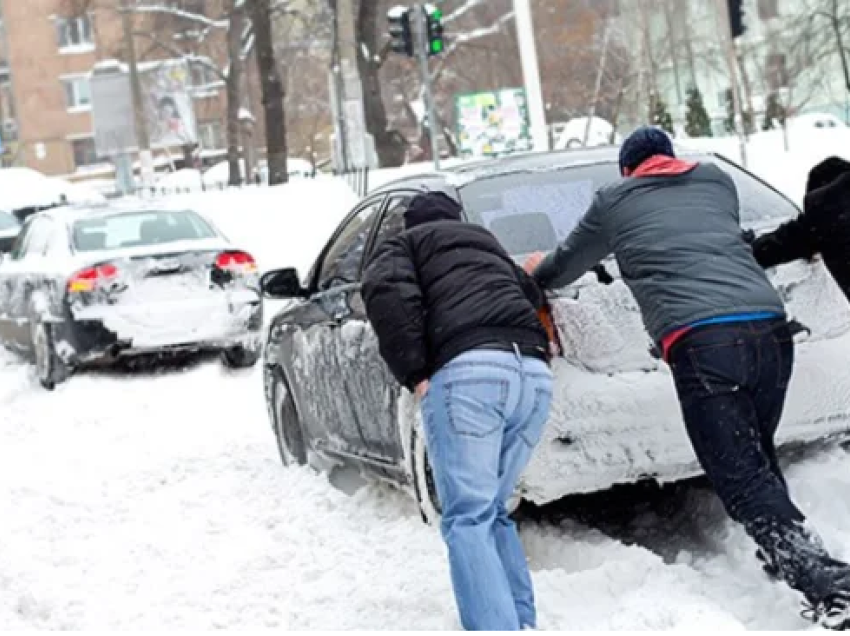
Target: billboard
x=167 y=100
x=492 y=123
x=169 y=109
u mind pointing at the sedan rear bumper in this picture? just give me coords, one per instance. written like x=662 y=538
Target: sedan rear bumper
x=623 y=428
x=217 y=321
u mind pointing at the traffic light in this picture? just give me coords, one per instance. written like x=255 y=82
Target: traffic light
x=400 y=32
x=736 y=18
x=436 y=43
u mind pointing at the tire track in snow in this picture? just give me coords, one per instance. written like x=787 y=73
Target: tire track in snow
x=158 y=501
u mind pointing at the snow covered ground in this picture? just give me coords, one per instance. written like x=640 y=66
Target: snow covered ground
x=157 y=500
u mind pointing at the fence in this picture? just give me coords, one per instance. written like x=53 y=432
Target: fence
x=357 y=180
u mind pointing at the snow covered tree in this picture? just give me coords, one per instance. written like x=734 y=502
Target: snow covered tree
x=661 y=116
x=697 y=121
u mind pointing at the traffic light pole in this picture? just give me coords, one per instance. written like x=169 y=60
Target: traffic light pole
x=732 y=62
x=421 y=28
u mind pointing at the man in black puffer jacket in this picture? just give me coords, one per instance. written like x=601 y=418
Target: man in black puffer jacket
x=457 y=323
x=823 y=228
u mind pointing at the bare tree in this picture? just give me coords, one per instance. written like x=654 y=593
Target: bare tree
x=262 y=16
x=837 y=15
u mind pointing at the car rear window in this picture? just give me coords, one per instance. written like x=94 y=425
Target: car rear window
x=534 y=211
x=138 y=229
x=8 y=222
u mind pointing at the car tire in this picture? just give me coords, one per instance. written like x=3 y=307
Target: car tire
x=424 y=486
x=286 y=424
x=240 y=357
x=50 y=368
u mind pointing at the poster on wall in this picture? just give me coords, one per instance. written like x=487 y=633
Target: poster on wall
x=492 y=123
x=168 y=104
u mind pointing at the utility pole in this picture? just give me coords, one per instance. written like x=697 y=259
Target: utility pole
x=142 y=135
x=599 y=74
x=531 y=74
x=732 y=63
x=421 y=21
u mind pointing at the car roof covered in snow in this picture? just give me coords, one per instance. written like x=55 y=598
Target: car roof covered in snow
x=70 y=214
x=457 y=176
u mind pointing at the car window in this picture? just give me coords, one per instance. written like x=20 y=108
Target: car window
x=8 y=221
x=534 y=211
x=138 y=229
x=392 y=223
x=341 y=263
x=34 y=241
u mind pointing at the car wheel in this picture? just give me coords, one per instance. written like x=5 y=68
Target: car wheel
x=287 y=427
x=240 y=357
x=424 y=486
x=50 y=368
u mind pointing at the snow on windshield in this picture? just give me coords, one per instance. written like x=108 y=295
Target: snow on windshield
x=534 y=211
x=138 y=229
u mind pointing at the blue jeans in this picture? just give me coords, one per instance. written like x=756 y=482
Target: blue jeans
x=483 y=415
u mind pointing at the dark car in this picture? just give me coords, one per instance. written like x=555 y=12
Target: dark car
x=615 y=417
x=95 y=285
x=10 y=227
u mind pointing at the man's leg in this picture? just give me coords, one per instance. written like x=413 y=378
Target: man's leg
x=717 y=372
x=797 y=552
x=522 y=434
x=463 y=413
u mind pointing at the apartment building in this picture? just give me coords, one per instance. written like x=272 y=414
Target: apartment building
x=47 y=50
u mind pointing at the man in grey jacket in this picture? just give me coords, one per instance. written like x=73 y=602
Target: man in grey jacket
x=674 y=229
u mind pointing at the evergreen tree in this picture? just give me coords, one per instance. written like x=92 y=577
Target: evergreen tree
x=729 y=122
x=774 y=113
x=661 y=117
x=697 y=122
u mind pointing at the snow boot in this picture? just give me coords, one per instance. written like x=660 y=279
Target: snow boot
x=832 y=613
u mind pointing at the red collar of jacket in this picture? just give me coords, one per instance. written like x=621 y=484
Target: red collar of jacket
x=662 y=166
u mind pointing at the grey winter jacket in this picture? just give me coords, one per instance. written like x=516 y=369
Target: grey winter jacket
x=677 y=241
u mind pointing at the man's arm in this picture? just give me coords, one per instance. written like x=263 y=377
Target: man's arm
x=394 y=306
x=583 y=248
x=789 y=242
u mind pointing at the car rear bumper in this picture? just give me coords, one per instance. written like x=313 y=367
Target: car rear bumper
x=623 y=428
x=219 y=321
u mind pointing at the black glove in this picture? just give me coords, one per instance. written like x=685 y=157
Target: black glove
x=602 y=275
x=749 y=236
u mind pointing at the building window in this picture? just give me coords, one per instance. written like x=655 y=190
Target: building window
x=768 y=9
x=77 y=95
x=75 y=34
x=776 y=70
x=211 y=135
x=84 y=152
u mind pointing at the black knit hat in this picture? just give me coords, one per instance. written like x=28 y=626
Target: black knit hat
x=431 y=206
x=826 y=172
x=642 y=144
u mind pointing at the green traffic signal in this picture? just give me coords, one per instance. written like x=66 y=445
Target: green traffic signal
x=437 y=46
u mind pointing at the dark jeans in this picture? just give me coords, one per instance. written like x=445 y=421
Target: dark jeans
x=731 y=380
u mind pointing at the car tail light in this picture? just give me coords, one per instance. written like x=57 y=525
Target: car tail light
x=92 y=278
x=236 y=262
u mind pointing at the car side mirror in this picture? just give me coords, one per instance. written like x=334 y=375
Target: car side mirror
x=282 y=284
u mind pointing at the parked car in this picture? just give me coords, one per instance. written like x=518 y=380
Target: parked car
x=615 y=417
x=10 y=227
x=85 y=285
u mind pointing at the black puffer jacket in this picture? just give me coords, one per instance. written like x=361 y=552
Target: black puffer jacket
x=823 y=228
x=443 y=287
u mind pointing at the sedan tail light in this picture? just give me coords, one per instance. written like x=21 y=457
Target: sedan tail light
x=236 y=262
x=93 y=278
